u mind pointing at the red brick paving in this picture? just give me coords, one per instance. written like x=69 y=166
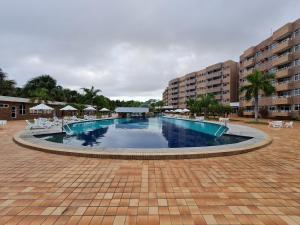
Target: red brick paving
x=261 y=187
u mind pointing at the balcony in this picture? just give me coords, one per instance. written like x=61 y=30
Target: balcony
x=265 y=54
x=284 y=100
x=280 y=113
x=214 y=89
x=246 y=103
x=213 y=82
x=282 y=60
x=282 y=86
x=218 y=97
x=245 y=83
x=283 y=31
x=294 y=84
x=248 y=63
x=265 y=101
x=284 y=73
x=247 y=72
x=248 y=113
x=212 y=75
x=264 y=66
x=282 y=46
x=249 y=52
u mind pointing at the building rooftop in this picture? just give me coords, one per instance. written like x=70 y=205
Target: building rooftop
x=25 y=100
x=132 y=110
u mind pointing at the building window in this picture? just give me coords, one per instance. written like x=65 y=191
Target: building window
x=272 y=108
x=2 y=106
x=297 y=32
x=297 y=107
x=297 y=92
x=297 y=77
x=297 y=48
x=297 y=62
x=285 y=108
x=22 y=110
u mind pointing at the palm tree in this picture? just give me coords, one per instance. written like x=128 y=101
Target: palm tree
x=205 y=102
x=90 y=94
x=43 y=81
x=7 y=87
x=40 y=95
x=258 y=83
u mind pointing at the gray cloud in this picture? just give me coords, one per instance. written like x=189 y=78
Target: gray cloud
x=130 y=49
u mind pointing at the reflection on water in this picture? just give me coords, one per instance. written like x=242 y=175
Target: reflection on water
x=142 y=133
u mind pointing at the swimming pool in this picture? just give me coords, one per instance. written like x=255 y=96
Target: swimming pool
x=153 y=133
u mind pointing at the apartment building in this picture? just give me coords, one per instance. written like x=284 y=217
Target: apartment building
x=279 y=54
x=220 y=79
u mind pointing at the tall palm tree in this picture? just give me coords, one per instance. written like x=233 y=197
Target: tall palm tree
x=205 y=101
x=43 y=81
x=7 y=87
x=258 y=83
x=90 y=94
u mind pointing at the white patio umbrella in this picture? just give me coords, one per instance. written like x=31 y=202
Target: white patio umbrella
x=104 y=110
x=185 y=110
x=167 y=111
x=178 y=111
x=68 y=108
x=89 y=108
x=41 y=108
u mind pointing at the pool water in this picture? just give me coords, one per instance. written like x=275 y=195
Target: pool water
x=144 y=133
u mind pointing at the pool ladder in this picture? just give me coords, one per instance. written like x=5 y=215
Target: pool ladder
x=68 y=132
x=222 y=131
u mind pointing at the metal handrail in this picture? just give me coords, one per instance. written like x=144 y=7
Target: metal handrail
x=70 y=132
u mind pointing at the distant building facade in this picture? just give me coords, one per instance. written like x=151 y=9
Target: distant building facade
x=220 y=79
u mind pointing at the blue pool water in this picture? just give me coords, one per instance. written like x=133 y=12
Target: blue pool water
x=144 y=133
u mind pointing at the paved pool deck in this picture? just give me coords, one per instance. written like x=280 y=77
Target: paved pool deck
x=258 y=187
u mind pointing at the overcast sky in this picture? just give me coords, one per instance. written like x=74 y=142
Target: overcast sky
x=130 y=49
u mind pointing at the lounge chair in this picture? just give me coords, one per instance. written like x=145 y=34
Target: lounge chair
x=3 y=123
x=200 y=118
x=276 y=124
x=288 y=124
x=31 y=126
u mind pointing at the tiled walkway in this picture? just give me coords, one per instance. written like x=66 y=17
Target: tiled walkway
x=261 y=187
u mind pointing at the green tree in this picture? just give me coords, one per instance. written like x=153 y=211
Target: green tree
x=7 y=87
x=90 y=94
x=43 y=81
x=205 y=101
x=58 y=93
x=40 y=95
x=258 y=83
x=101 y=102
x=193 y=106
x=72 y=96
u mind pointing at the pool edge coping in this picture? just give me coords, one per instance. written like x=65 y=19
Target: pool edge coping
x=195 y=152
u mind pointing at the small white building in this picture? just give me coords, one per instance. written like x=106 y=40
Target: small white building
x=132 y=111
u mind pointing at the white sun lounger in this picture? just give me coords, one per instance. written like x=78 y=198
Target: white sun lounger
x=31 y=126
x=276 y=124
x=3 y=123
x=200 y=118
x=288 y=124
